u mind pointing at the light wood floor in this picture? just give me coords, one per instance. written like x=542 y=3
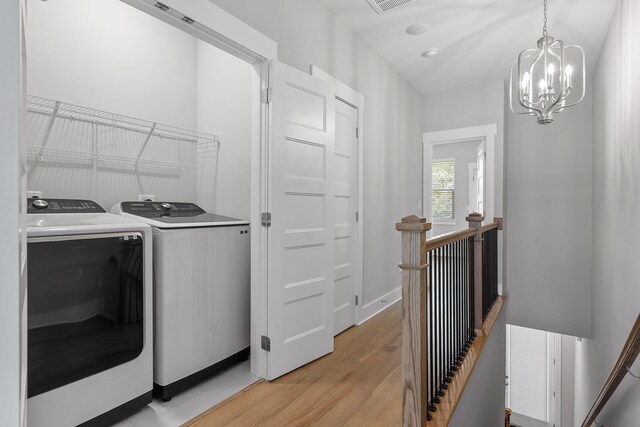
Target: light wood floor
x=359 y=384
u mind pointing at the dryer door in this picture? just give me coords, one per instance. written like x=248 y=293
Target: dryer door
x=85 y=307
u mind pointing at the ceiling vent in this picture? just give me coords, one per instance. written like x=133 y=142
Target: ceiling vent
x=383 y=6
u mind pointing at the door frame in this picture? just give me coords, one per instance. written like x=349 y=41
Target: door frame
x=349 y=96
x=13 y=155
x=486 y=133
x=215 y=26
x=473 y=166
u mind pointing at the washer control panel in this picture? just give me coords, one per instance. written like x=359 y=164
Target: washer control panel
x=39 y=206
x=156 y=209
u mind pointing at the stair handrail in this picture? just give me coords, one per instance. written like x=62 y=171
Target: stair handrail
x=620 y=370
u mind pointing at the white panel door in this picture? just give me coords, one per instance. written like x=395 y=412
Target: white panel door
x=346 y=187
x=532 y=377
x=301 y=235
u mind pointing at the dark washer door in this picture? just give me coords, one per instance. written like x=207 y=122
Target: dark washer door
x=85 y=307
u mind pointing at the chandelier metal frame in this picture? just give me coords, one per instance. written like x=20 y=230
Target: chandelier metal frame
x=552 y=95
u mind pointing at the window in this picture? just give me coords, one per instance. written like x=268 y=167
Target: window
x=442 y=188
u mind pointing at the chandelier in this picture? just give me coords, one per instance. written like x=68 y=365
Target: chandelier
x=549 y=78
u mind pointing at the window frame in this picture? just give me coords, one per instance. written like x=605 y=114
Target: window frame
x=442 y=220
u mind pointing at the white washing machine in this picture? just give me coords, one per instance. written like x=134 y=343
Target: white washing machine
x=202 y=273
x=89 y=314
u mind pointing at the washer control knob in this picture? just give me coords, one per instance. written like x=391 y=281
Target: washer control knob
x=40 y=204
x=166 y=206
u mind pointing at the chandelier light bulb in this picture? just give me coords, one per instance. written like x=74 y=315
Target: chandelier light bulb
x=542 y=84
x=551 y=69
x=568 y=71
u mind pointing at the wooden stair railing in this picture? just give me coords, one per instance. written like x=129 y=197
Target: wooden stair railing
x=627 y=358
x=449 y=309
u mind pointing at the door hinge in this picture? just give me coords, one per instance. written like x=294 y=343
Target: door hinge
x=356 y=299
x=266 y=219
x=265 y=343
x=357 y=216
x=357 y=132
x=267 y=94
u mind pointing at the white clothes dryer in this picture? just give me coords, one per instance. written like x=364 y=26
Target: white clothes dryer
x=89 y=314
x=202 y=273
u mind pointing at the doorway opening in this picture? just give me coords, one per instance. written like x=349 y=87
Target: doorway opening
x=533 y=383
x=163 y=109
x=458 y=176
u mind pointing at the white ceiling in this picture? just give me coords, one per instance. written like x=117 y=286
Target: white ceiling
x=478 y=39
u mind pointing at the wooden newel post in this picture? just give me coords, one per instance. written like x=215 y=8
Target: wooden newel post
x=414 y=320
x=475 y=221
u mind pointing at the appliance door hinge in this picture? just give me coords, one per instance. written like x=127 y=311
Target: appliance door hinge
x=267 y=95
x=266 y=219
x=356 y=299
x=357 y=132
x=265 y=343
x=357 y=216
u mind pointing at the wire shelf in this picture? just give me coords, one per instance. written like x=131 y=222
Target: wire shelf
x=45 y=154
x=108 y=139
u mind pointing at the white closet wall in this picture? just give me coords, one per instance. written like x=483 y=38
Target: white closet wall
x=224 y=106
x=106 y=55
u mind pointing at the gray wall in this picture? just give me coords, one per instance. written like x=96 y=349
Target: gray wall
x=463 y=153
x=616 y=206
x=307 y=33
x=10 y=221
x=482 y=403
x=548 y=222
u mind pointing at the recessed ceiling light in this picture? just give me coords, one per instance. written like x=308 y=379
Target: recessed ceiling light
x=416 y=29
x=431 y=53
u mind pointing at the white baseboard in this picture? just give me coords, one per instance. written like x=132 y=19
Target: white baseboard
x=375 y=307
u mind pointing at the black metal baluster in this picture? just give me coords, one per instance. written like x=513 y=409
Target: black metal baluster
x=436 y=326
x=447 y=328
x=472 y=332
x=431 y=367
x=460 y=305
x=441 y=314
x=456 y=305
x=451 y=310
